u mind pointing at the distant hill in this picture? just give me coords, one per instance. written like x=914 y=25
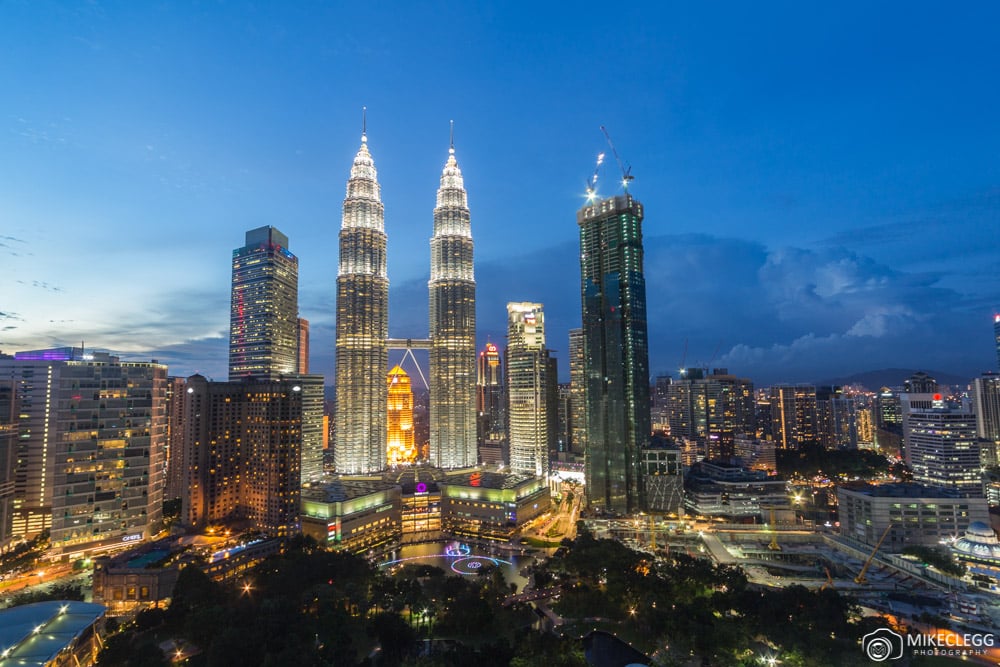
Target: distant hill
x=894 y=377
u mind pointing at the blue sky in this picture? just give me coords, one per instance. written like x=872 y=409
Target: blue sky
x=821 y=183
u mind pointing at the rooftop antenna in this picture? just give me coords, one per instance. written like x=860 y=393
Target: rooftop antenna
x=364 y=124
x=451 y=149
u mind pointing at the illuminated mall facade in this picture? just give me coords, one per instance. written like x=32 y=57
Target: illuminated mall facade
x=376 y=514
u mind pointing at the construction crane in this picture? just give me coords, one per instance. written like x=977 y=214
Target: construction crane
x=626 y=169
x=860 y=579
x=592 y=183
x=829 y=580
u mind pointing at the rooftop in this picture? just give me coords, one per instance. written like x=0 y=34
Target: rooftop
x=904 y=490
x=33 y=634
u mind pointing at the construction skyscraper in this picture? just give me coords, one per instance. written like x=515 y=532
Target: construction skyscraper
x=616 y=350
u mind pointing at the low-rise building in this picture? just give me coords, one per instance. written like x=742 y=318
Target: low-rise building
x=353 y=514
x=906 y=514
x=490 y=505
x=56 y=633
x=717 y=489
x=663 y=479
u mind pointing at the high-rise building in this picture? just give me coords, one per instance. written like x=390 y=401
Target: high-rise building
x=9 y=416
x=793 y=415
x=400 y=448
x=920 y=383
x=91 y=447
x=616 y=349
x=362 y=324
x=243 y=442
x=836 y=418
x=452 y=290
x=490 y=409
x=527 y=389
x=710 y=408
x=996 y=336
x=302 y=362
x=577 y=391
x=660 y=414
x=986 y=402
x=264 y=309
x=311 y=450
x=941 y=447
x=175 y=485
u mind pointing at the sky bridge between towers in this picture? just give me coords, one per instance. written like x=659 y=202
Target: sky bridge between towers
x=410 y=344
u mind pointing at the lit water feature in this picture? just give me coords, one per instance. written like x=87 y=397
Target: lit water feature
x=462 y=558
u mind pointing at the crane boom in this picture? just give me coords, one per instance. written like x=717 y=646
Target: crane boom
x=626 y=169
x=860 y=579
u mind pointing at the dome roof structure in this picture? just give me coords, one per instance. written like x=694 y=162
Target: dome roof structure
x=979 y=543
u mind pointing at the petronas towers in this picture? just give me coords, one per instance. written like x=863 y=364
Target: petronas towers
x=363 y=325
x=453 y=325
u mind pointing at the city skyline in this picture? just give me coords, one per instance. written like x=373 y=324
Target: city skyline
x=823 y=203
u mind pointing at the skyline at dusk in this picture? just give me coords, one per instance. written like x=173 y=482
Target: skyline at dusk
x=820 y=185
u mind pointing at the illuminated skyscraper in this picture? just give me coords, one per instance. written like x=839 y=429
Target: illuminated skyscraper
x=243 y=450
x=793 y=415
x=616 y=350
x=489 y=395
x=90 y=449
x=401 y=447
x=452 y=326
x=362 y=324
x=303 y=350
x=577 y=393
x=996 y=336
x=527 y=389
x=264 y=309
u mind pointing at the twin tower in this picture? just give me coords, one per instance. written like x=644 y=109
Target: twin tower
x=363 y=325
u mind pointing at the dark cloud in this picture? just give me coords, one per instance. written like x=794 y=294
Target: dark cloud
x=773 y=314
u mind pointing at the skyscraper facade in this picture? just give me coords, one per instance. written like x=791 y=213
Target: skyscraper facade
x=577 y=393
x=91 y=447
x=452 y=289
x=490 y=410
x=401 y=447
x=528 y=389
x=710 y=409
x=793 y=415
x=996 y=336
x=264 y=308
x=362 y=324
x=986 y=401
x=941 y=447
x=616 y=351
x=243 y=442
x=9 y=416
x=303 y=352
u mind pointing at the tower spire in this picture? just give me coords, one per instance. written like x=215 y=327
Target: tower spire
x=364 y=124
x=451 y=140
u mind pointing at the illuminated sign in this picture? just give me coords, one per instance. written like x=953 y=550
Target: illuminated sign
x=132 y=538
x=421 y=487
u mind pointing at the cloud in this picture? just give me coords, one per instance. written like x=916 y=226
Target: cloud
x=772 y=314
